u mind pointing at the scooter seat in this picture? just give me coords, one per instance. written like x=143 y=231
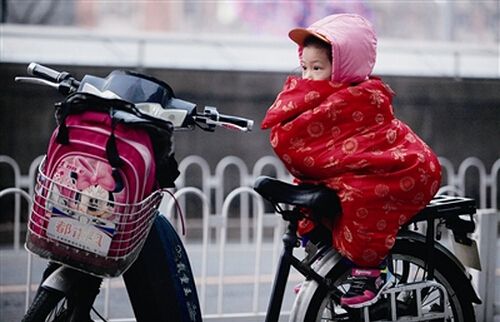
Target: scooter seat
x=315 y=197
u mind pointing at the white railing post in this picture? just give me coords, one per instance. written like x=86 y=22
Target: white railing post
x=19 y=193
x=487 y=234
x=220 y=170
x=206 y=183
x=495 y=169
x=281 y=174
x=462 y=171
x=273 y=162
x=17 y=199
x=204 y=168
x=224 y=213
x=450 y=171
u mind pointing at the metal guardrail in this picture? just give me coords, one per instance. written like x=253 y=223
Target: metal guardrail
x=212 y=188
x=455 y=180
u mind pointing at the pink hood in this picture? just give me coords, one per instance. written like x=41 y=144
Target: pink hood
x=354 y=45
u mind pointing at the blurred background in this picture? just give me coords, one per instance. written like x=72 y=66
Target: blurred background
x=442 y=58
x=438 y=20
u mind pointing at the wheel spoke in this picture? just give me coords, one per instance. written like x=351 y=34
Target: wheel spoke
x=407 y=268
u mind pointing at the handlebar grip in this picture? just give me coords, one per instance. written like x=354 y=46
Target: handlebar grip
x=239 y=121
x=44 y=72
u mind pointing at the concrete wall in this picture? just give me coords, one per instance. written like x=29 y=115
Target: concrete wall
x=458 y=118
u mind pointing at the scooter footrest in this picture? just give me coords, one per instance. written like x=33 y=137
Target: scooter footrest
x=417 y=292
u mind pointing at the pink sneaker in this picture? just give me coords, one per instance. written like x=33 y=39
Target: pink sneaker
x=366 y=285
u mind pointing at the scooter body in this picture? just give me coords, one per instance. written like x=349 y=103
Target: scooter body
x=159 y=279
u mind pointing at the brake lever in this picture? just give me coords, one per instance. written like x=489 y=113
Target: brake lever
x=204 y=123
x=36 y=81
x=64 y=87
x=232 y=126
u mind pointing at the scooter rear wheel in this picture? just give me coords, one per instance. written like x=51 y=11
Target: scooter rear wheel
x=409 y=266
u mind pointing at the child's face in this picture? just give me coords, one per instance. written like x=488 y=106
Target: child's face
x=315 y=64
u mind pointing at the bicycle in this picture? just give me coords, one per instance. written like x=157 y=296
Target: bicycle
x=82 y=246
x=431 y=284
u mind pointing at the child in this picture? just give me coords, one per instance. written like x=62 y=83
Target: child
x=335 y=126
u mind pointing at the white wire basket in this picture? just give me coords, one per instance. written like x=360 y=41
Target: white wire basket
x=97 y=236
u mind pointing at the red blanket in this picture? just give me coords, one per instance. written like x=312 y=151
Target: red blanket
x=347 y=138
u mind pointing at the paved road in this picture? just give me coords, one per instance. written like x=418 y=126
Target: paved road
x=238 y=280
x=238 y=289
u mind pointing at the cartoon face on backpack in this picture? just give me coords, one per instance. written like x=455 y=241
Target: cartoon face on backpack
x=96 y=183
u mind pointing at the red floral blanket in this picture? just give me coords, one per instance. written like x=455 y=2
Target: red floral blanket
x=347 y=138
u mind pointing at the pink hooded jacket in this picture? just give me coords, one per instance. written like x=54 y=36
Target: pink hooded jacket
x=354 y=45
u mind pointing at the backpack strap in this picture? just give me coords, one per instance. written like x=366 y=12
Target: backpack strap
x=61 y=114
x=111 y=148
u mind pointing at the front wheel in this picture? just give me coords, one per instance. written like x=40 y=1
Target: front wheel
x=48 y=305
x=53 y=306
x=72 y=305
x=409 y=266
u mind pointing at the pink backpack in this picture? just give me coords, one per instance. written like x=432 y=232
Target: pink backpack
x=94 y=199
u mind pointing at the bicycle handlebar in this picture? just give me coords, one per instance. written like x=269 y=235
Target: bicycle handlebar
x=236 y=120
x=62 y=81
x=47 y=73
x=212 y=118
x=66 y=84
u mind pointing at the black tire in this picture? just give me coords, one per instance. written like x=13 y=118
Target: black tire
x=55 y=306
x=47 y=305
x=408 y=257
